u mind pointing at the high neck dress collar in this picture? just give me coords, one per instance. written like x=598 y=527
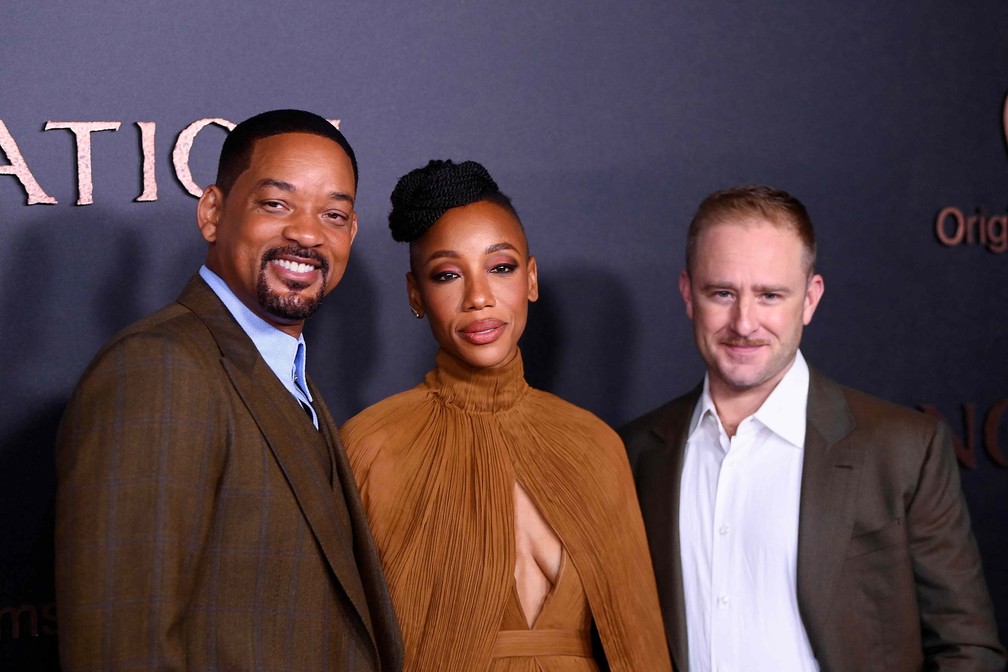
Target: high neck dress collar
x=477 y=390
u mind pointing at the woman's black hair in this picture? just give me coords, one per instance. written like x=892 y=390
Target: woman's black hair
x=422 y=195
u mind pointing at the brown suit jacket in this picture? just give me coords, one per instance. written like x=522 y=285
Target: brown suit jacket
x=202 y=522
x=889 y=576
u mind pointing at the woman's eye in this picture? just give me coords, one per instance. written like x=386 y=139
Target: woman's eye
x=504 y=268
x=444 y=276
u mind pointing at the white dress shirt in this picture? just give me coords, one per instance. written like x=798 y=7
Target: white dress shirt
x=738 y=531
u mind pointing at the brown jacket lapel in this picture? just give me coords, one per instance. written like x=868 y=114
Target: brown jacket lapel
x=383 y=622
x=830 y=475
x=289 y=434
x=671 y=428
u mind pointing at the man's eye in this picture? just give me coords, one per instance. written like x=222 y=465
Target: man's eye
x=273 y=205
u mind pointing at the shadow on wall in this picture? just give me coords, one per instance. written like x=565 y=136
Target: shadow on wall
x=343 y=341
x=579 y=335
x=66 y=289
x=27 y=598
x=575 y=342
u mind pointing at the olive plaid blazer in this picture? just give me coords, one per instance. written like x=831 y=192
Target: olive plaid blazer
x=202 y=522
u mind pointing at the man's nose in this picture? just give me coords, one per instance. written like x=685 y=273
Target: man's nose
x=743 y=317
x=303 y=229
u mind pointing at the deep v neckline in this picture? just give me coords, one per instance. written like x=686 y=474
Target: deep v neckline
x=549 y=596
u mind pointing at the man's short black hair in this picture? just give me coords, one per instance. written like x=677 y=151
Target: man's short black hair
x=236 y=154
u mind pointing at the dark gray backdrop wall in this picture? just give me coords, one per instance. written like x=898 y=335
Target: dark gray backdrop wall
x=606 y=122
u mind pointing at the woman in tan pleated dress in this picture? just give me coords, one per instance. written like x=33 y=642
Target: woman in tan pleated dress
x=505 y=517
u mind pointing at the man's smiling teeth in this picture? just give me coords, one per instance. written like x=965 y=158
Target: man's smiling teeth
x=294 y=266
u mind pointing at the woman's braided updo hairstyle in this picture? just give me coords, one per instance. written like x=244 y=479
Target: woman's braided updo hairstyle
x=422 y=195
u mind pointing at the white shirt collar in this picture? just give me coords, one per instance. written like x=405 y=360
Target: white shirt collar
x=783 y=412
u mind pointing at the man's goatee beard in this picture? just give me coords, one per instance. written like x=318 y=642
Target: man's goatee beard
x=291 y=305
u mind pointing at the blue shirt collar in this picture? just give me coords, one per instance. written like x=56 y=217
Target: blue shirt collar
x=284 y=354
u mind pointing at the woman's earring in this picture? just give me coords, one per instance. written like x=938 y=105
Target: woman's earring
x=416 y=313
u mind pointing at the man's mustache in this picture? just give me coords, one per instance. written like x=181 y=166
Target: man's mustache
x=748 y=342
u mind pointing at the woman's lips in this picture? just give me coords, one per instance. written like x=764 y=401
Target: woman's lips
x=482 y=331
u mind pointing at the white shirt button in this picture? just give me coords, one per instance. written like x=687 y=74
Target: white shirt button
x=724 y=529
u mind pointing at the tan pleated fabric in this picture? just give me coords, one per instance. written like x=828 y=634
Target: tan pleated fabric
x=559 y=639
x=436 y=466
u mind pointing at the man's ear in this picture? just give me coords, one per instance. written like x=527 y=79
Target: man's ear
x=208 y=212
x=686 y=290
x=353 y=227
x=813 y=293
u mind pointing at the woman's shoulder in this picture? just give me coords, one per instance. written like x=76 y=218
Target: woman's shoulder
x=549 y=403
x=597 y=441
x=384 y=412
x=376 y=424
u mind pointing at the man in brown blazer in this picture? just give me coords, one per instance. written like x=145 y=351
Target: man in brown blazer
x=206 y=515
x=796 y=524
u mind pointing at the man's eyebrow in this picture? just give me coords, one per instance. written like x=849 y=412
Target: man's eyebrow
x=771 y=289
x=717 y=284
x=340 y=196
x=290 y=188
x=757 y=289
x=279 y=184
